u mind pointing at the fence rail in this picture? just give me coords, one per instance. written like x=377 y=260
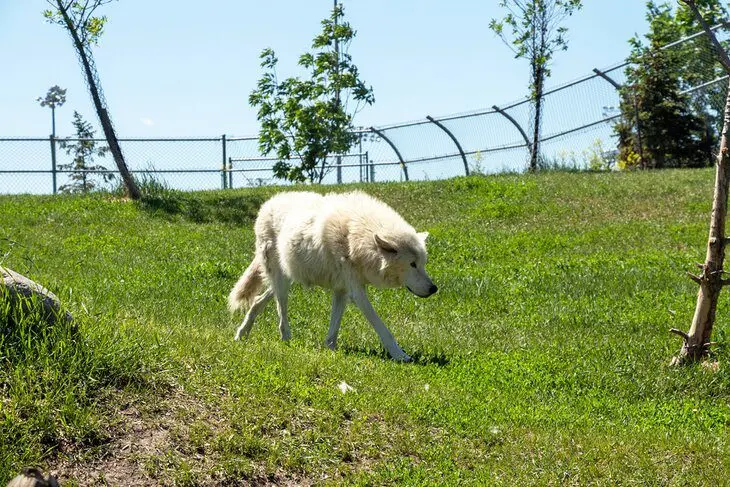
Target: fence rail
x=578 y=120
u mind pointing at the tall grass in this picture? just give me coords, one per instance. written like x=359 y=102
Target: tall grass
x=52 y=374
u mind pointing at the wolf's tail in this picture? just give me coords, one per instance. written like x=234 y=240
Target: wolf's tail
x=248 y=286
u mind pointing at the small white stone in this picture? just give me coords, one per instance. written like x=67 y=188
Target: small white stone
x=345 y=387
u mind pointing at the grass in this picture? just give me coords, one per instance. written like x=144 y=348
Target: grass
x=541 y=360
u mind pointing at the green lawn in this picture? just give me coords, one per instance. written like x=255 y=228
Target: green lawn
x=543 y=358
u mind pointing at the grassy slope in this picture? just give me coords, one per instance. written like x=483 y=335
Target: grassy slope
x=542 y=359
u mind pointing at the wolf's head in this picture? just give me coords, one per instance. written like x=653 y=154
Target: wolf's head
x=404 y=262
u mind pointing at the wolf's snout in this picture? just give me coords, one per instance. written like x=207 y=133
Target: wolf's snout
x=424 y=293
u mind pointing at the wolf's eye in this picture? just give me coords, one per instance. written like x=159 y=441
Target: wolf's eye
x=413 y=264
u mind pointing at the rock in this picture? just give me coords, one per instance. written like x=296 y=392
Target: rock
x=32 y=477
x=20 y=286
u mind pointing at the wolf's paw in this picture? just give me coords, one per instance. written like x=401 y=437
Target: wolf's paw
x=400 y=356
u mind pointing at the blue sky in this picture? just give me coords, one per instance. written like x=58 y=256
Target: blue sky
x=181 y=68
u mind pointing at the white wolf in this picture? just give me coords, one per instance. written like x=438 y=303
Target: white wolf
x=342 y=242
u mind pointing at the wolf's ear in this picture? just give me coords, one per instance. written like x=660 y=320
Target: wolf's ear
x=423 y=236
x=385 y=245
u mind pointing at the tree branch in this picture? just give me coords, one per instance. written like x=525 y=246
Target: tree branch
x=84 y=9
x=695 y=278
x=680 y=333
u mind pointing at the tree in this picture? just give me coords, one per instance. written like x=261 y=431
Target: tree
x=696 y=342
x=55 y=97
x=85 y=30
x=310 y=119
x=535 y=35
x=665 y=118
x=698 y=64
x=84 y=150
x=658 y=129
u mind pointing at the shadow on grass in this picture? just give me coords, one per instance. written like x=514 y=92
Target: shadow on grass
x=419 y=358
x=202 y=208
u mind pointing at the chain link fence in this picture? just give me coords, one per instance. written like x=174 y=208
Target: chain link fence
x=577 y=129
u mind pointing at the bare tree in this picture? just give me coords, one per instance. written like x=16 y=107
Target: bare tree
x=697 y=341
x=77 y=17
x=536 y=33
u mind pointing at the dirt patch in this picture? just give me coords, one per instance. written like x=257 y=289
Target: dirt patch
x=136 y=433
x=155 y=444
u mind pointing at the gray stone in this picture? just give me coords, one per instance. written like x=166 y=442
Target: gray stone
x=32 y=477
x=20 y=286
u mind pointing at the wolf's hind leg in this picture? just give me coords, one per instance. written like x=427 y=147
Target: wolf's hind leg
x=256 y=308
x=339 y=302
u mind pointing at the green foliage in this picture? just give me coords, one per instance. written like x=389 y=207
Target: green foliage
x=310 y=119
x=88 y=27
x=698 y=62
x=84 y=150
x=542 y=360
x=597 y=157
x=663 y=126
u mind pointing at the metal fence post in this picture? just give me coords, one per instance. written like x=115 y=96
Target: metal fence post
x=224 y=180
x=359 y=157
x=380 y=134
x=372 y=166
x=230 y=173
x=637 y=119
x=53 y=163
x=509 y=117
x=458 y=146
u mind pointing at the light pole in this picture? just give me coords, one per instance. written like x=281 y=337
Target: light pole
x=55 y=97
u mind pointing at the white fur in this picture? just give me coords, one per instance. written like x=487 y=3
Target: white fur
x=343 y=242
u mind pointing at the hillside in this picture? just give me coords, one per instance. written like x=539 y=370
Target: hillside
x=541 y=360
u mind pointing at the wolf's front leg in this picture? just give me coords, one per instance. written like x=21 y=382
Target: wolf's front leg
x=281 y=293
x=339 y=302
x=360 y=297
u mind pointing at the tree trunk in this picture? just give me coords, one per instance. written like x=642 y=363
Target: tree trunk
x=106 y=123
x=697 y=340
x=534 y=155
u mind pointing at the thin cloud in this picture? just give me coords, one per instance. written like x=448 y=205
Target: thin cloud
x=146 y=121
